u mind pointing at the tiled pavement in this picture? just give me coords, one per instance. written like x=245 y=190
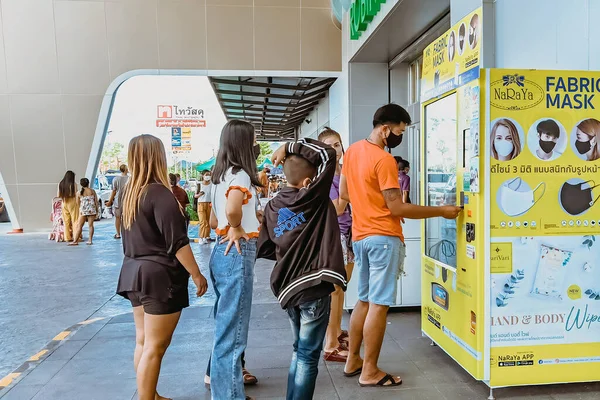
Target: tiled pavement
x=96 y=363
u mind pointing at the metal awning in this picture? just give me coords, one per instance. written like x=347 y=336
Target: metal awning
x=275 y=106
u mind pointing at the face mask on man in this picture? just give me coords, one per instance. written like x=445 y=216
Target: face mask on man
x=206 y=178
x=393 y=140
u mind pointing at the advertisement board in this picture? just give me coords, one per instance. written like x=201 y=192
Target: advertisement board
x=544 y=222
x=453 y=59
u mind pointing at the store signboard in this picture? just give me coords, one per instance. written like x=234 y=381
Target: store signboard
x=544 y=221
x=454 y=58
x=176 y=116
x=362 y=13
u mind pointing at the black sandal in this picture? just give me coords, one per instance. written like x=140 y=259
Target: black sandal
x=382 y=382
x=354 y=373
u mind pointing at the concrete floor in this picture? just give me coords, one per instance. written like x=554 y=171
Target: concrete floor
x=47 y=287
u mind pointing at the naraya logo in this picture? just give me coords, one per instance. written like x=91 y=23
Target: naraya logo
x=288 y=221
x=515 y=92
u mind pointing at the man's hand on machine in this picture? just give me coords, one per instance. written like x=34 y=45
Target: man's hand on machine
x=451 y=212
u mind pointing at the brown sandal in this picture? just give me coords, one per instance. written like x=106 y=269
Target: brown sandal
x=335 y=356
x=343 y=340
x=249 y=379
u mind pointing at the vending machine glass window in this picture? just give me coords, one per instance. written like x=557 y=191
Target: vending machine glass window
x=440 y=167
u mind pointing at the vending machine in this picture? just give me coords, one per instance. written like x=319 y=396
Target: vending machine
x=511 y=289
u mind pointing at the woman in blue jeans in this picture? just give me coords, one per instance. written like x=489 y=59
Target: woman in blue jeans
x=234 y=218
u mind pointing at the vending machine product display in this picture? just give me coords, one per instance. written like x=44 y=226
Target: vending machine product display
x=511 y=289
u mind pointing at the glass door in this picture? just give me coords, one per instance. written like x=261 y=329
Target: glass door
x=440 y=177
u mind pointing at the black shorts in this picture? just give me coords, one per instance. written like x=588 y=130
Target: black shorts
x=153 y=306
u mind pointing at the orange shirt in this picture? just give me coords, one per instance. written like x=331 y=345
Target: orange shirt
x=369 y=170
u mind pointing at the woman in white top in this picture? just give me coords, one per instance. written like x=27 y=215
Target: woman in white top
x=203 y=197
x=234 y=205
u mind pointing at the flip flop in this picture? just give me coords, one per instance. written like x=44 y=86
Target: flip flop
x=353 y=373
x=117 y=237
x=335 y=355
x=73 y=244
x=382 y=382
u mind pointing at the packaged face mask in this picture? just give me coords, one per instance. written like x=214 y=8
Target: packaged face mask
x=514 y=202
x=551 y=272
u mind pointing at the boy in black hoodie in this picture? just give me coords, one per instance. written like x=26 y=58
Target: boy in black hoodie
x=300 y=230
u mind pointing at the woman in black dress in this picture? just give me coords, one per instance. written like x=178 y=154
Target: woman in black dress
x=158 y=259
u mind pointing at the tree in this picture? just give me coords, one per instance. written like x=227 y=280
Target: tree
x=265 y=152
x=113 y=155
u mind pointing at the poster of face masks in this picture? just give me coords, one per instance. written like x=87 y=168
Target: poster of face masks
x=545 y=226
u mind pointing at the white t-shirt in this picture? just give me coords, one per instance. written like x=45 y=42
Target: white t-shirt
x=207 y=196
x=240 y=181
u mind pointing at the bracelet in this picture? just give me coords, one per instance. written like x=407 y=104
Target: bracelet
x=235 y=227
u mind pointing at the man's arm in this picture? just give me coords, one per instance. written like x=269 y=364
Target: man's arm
x=398 y=208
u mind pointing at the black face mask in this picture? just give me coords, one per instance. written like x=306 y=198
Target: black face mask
x=547 y=147
x=576 y=200
x=583 y=147
x=393 y=140
x=256 y=150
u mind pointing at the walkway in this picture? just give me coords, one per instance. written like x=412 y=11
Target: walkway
x=93 y=360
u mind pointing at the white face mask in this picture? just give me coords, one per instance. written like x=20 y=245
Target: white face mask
x=503 y=147
x=206 y=178
x=513 y=202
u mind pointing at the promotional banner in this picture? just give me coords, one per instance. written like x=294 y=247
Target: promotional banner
x=544 y=222
x=453 y=59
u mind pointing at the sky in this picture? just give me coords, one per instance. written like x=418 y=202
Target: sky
x=135 y=112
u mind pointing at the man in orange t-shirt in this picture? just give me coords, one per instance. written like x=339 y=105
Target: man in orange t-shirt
x=369 y=181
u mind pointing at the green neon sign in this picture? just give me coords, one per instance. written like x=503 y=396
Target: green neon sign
x=362 y=13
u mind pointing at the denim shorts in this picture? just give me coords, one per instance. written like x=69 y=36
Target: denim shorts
x=379 y=263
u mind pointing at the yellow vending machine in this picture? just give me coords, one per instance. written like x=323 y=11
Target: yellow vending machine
x=511 y=289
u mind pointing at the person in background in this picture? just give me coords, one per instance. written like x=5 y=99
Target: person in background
x=300 y=231
x=369 y=182
x=67 y=191
x=181 y=196
x=234 y=219
x=88 y=209
x=403 y=178
x=158 y=260
x=336 y=339
x=263 y=177
x=178 y=177
x=118 y=184
x=203 y=196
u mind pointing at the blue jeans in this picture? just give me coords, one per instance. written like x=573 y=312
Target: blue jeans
x=309 y=324
x=379 y=260
x=233 y=279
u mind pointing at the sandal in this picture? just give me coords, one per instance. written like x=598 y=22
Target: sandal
x=382 y=382
x=73 y=244
x=117 y=236
x=335 y=355
x=343 y=340
x=353 y=373
x=249 y=379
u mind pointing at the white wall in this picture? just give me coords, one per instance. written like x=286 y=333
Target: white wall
x=547 y=34
x=319 y=118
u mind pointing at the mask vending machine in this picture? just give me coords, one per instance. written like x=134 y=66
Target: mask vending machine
x=511 y=289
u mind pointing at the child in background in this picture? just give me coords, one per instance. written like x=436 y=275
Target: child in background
x=300 y=230
x=88 y=208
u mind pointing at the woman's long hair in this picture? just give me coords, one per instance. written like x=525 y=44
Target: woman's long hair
x=148 y=164
x=66 y=187
x=236 y=152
